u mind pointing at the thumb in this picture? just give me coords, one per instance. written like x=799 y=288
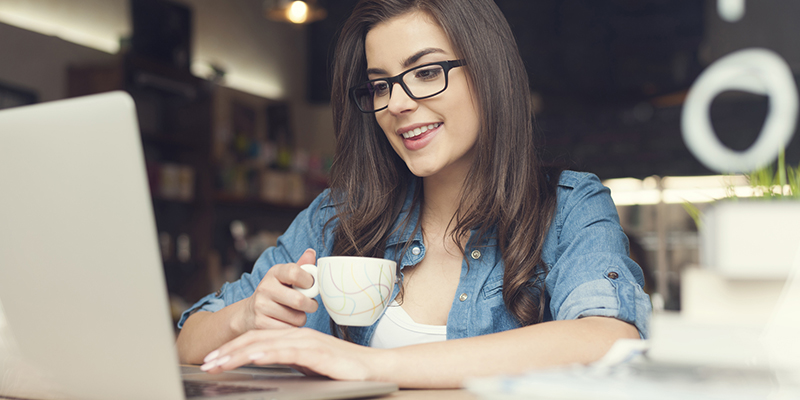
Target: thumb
x=308 y=257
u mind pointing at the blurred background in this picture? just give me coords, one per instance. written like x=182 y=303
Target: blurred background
x=233 y=103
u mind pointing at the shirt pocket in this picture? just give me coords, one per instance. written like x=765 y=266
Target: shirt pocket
x=493 y=288
x=491 y=313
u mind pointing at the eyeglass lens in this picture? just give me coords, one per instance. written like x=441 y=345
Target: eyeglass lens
x=425 y=81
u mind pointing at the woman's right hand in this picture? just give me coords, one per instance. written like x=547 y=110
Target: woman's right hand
x=275 y=304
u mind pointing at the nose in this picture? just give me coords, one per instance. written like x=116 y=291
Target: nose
x=400 y=101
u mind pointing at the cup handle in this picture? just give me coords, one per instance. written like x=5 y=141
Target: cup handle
x=313 y=291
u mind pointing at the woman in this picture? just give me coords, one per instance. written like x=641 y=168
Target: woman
x=435 y=168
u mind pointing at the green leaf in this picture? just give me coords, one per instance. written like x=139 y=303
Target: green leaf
x=768 y=183
x=693 y=212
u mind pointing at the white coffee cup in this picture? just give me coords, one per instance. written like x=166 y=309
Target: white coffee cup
x=354 y=290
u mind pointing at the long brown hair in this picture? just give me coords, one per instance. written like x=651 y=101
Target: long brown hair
x=508 y=194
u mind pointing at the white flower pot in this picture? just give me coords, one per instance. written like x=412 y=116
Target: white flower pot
x=751 y=239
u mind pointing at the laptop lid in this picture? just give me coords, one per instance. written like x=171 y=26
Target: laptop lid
x=83 y=301
x=81 y=280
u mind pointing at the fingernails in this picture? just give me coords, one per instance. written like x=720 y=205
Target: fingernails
x=211 y=356
x=256 y=356
x=223 y=360
x=214 y=363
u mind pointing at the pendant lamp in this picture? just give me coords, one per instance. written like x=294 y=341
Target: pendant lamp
x=296 y=12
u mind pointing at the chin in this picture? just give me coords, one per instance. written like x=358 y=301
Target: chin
x=425 y=166
x=423 y=173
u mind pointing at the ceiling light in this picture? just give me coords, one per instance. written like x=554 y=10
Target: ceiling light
x=297 y=12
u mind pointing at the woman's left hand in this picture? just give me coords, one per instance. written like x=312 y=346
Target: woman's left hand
x=309 y=351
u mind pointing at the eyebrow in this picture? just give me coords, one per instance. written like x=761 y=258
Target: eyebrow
x=408 y=61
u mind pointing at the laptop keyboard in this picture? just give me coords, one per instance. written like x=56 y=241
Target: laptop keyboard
x=194 y=389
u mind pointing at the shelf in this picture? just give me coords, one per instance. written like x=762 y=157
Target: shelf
x=169 y=200
x=174 y=141
x=223 y=199
x=177 y=114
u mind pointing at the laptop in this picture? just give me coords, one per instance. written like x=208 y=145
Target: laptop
x=84 y=312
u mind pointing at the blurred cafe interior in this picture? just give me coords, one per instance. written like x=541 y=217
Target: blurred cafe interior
x=233 y=105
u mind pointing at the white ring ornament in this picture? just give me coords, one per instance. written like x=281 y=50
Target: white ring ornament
x=758 y=71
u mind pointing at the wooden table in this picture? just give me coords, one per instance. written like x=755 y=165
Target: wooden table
x=411 y=394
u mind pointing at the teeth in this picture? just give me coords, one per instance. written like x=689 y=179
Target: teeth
x=420 y=130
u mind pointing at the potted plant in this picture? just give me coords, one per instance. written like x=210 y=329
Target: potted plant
x=756 y=237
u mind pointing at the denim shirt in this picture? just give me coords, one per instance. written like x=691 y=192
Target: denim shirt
x=586 y=252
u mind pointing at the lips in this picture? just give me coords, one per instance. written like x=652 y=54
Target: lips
x=417 y=137
x=417 y=131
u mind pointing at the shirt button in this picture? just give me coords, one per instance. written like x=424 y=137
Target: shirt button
x=613 y=275
x=463 y=296
x=415 y=251
x=476 y=254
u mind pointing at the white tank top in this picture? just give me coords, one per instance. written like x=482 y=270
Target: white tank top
x=396 y=329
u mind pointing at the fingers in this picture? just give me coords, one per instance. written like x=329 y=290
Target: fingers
x=292 y=274
x=308 y=257
x=242 y=350
x=278 y=291
x=271 y=314
x=275 y=304
x=309 y=351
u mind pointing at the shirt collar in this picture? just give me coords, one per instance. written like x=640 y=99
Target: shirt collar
x=400 y=233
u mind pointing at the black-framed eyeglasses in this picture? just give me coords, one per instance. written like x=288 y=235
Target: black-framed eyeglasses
x=419 y=83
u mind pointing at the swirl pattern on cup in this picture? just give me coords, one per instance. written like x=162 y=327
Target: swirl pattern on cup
x=349 y=293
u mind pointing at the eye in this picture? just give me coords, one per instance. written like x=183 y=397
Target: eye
x=428 y=73
x=379 y=88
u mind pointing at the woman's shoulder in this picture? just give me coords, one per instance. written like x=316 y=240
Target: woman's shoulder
x=320 y=210
x=324 y=200
x=569 y=179
x=581 y=190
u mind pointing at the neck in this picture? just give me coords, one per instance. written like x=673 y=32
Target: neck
x=442 y=198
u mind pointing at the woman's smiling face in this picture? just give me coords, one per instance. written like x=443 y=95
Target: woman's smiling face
x=434 y=136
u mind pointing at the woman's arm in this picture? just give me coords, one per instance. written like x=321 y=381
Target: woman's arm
x=273 y=305
x=447 y=364
x=204 y=331
x=432 y=365
x=263 y=298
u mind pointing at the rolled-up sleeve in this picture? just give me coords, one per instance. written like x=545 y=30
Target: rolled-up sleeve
x=305 y=232
x=591 y=273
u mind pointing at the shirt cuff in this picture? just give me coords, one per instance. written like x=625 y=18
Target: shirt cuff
x=609 y=297
x=212 y=303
